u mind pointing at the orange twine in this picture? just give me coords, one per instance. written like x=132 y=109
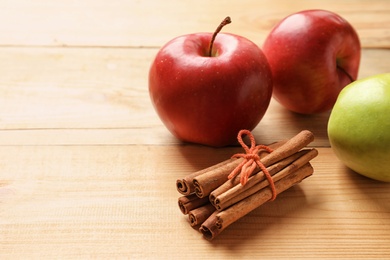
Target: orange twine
x=251 y=159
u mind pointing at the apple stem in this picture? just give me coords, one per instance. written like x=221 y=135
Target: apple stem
x=225 y=21
x=346 y=73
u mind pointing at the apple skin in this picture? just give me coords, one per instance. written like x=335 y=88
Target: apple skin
x=309 y=53
x=359 y=127
x=208 y=100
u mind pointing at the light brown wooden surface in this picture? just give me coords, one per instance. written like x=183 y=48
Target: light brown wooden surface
x=87 y=170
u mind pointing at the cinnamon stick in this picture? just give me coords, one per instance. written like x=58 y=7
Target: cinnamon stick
x=186 y=187
x=199 y=215
x=292 y=146
x=227 y=187
x=213 y=177
x=220 y=220
x=190 y=202
x=287 y=149
x=258 y=182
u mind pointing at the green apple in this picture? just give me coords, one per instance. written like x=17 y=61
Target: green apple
x=359 y=127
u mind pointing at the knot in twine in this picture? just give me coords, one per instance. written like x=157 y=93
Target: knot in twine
x=251 y=160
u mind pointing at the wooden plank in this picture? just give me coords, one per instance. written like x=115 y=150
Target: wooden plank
x=152 y=23
x=113 y=201
x=40 y=85
x=100 y=96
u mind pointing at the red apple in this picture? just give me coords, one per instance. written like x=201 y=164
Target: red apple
x=207 y=99
x=313 y=54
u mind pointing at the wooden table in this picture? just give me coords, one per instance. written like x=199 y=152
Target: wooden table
x=87 y=170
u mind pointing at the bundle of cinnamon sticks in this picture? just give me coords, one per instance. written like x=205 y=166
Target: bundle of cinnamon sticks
x=212 y=201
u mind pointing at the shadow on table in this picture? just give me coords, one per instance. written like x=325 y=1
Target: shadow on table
x=374 y=192
x=257 y=225
x=201 y=157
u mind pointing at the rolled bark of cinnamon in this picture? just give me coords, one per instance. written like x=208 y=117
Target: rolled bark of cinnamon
x=211 y=179
x=220 y=220
x=229 y=185
x=296 y=143
x=186 y=186
x=199 y=215
x=288 y=148
x=287 y=164
x=258 y=182
x=190 y=202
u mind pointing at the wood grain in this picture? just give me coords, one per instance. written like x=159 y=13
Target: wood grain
x=153 y=23
x=93 y=201
x=100 y=96
x=87 y=169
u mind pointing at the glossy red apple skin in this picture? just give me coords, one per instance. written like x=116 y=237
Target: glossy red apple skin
x=309 y=53
x=207 y=100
